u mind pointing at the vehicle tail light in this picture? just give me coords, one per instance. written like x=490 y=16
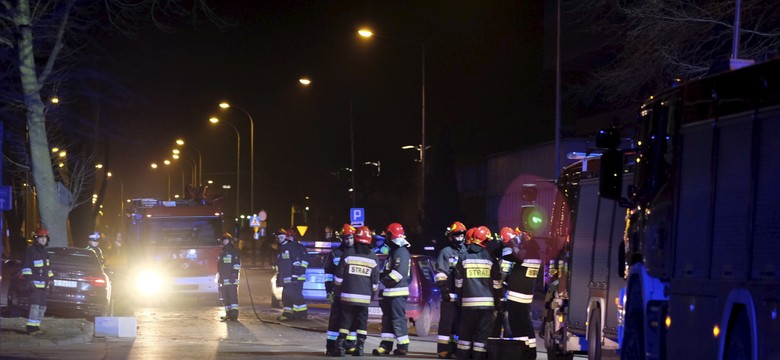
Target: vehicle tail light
x=96 y=281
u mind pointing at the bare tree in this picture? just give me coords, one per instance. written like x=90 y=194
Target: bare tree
x=655 y=41
x=45 y=38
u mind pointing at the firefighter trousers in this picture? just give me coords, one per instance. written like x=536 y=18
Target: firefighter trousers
x=354 y=318
x=334 y=324
x=522 y=327
x=474 y=329
x=393 y=322
x=230 y=297
x=449 y=316
x=38 y=299
x=294 y=306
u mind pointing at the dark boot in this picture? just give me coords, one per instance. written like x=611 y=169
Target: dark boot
x=33 y=329
x=401 y=350
x=359 y=346
x=384 y=348
x=233 y=314
x=329 y=346
x=339 y=349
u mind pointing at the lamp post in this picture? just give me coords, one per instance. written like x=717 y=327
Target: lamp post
x=154 y=166
x=225 y=105
x=306 y=82
x=198 y=177
x=215 y=121
x=366 y=33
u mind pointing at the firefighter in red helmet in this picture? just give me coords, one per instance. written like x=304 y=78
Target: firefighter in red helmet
x=292 y=262
x=355 y=280
x=395 y=278
x=479 y=288
x=229 y=267
x=445 y=280
x=37 y=270
x=347 y=238
x=520 y=269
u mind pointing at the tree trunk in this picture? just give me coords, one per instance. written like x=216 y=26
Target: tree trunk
x=54 y=215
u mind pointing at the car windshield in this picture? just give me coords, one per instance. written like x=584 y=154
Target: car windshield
x=182 y=231
x=81 y=260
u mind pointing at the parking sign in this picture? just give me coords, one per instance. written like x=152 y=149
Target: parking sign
x=357 y=216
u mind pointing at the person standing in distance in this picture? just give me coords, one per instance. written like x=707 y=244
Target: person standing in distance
x=331 y=263
x=37 y=270
x=395 y=278
x=445 y=280
x=292 y=265
x=229 y=267
x=355 y=280
x=94 y=245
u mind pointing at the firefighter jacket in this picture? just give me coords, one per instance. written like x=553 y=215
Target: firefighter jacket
x=520 y=265
x=478 y=279
x=36 y=267
x=396 y=272
x=229 y=265
x=445 y=267
x=98 y=252
x=357 y=277
x=292 y=262
x=332 y=262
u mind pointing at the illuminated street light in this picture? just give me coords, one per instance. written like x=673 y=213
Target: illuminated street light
x=179 y=142
x=175 y=151
x=55 y=149
x=214 y=120
x=225 y=105
x=304 y=81
x=63 y=153
x=98 y=166
x=154 y=166
x=366 y=33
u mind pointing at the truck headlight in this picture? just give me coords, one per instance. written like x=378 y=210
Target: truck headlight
x=149 y=282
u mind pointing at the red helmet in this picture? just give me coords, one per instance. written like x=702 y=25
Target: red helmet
x=281 y=231
x=395 y=230
x=363 y=235
x=291 y=233
x=481 y=236
x=456 y=227
x=470 y=235
x=348 y=230
x=226 y=236
x=41 y=232
x=507 y=234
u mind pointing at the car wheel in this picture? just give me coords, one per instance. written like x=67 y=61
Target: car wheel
x=422 y=326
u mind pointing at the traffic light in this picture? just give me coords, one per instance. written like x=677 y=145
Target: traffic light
x=533 y=219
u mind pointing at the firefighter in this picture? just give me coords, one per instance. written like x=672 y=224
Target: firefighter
x=479 y=288
x=331 y=263
x=355 y=280
x=228 y=267
x=37 y=271
x=520 y=269
x=395 y=278
x=445 y=280
x=292 y=265
x=94 y=245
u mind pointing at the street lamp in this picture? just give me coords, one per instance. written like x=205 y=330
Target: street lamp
x=155 y=166
x=199 y=177
x=306 y=82
x=215 y=120
x=367 y=33
x=225 y=105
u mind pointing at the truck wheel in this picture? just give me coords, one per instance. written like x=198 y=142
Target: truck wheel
x=422 y=326
x=594 y=334
x=738 y=344
x=633 y=346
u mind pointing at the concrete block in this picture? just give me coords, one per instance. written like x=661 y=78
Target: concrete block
x=115 y=326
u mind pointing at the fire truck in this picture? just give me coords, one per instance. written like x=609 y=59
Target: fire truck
x=702 y=236
x=173 y=247
x=581 y=306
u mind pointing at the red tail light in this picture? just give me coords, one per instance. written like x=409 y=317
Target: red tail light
x=96 y=281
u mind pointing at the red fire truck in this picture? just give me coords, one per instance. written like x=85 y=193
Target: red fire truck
x=702 y=236
x=173 y=247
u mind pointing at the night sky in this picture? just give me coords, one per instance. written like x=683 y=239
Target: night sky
x=486 y=82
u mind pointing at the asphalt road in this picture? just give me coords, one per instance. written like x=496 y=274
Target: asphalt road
x=190 y=328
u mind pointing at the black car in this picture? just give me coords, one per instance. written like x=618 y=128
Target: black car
x=80 y=286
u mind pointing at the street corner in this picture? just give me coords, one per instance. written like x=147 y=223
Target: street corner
x=54 y=331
